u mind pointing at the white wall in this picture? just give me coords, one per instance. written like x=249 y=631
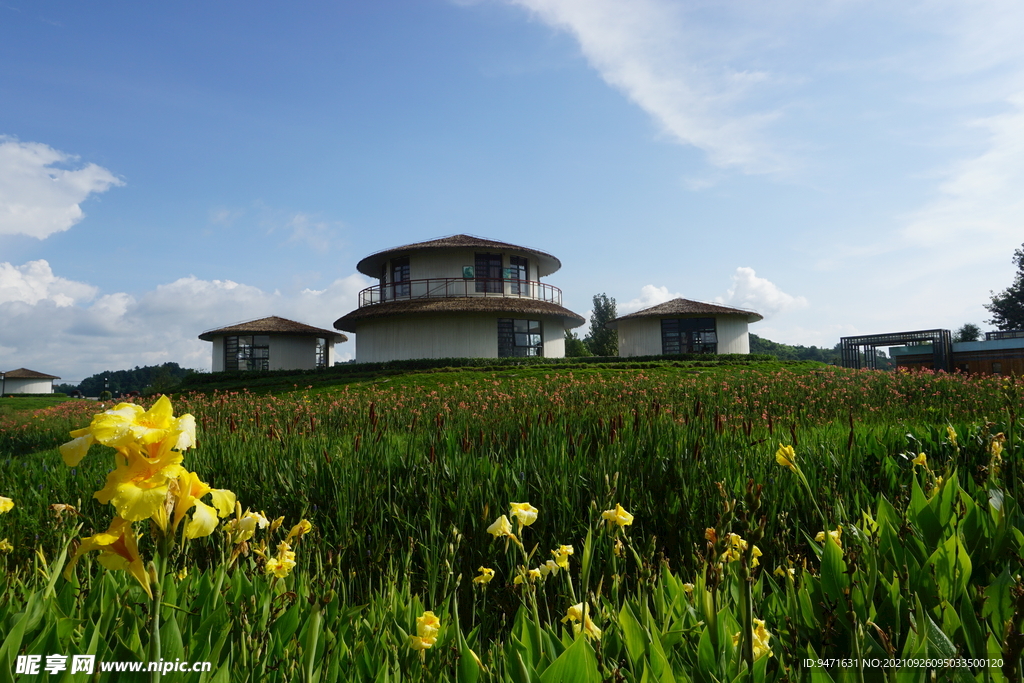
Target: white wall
x=449 y=264
x=642 y=336
x=286 y=353
x=449 y=336
x=27 y=386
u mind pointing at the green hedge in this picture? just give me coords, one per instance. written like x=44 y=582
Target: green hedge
x=198 y=380
x=55 y=394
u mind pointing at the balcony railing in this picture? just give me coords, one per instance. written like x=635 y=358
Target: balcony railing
x=457 y=287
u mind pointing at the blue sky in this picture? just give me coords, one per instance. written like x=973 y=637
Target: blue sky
x=841 y=166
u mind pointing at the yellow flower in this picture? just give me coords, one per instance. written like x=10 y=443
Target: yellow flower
x=836 y=535
x=187 y=491
x=283 y=564
x=244 y=526
x=418 y=643
x=486 y=574
x=5 y=546
x=951 y=434
x=127 y=424
x=562 y=554
x=138 y=486
x=501 y=527
x=427 y=627
x=6 y=505
x=300 y=530
x=619 y=549
x=710 y=534
x=921 y=459
x=549 y=567
x=617 y=516
x=688 y=588
x=755 y=553
x=786 y=456
x=735 y=550
x=579 y=613
x=524 y=573
x=761 y=637
x=784 y=572
x=119 y=549
x=524 y=512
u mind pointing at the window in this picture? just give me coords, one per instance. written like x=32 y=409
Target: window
x=688 y=335
x=321 y=353
x=249 y=352
x=519 y=338
x=488 y=273
x=520 y=273
x=400 y=277
x=997 y=368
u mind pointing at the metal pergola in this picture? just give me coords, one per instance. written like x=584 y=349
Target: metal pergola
x=854 y=347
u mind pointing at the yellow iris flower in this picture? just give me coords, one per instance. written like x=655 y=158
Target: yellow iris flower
x=5 y=546
x=127 y=425
x=836 y=535
x=617 y=516
x=562 y=554
x=921 y=459
x=761 y=638
x=501 y=527
x=299 y=530
x=187 y=491
x=525 y=513
x=579 y=613
x=486 y=574
x=6 y=505
x=119 y=549
x=281 y=565
x=427 y=627
x=786 y=456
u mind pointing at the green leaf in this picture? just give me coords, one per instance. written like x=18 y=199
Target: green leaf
x=633 y=634
x=578 y=664
x=952 y=567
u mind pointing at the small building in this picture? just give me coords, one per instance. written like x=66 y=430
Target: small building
x=272 y=343
x=684 y=326
x=460 y=296
x=25 y=381
x=1001 y=353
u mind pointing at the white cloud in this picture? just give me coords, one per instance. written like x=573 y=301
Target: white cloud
x=38 y=195
x=650 y=295
x=35 y=282
x=649 y=51
x=118 y=330
x=759 y=294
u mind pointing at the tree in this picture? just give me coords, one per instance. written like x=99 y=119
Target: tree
x=574 y=346
x=601 y=341
x=1007 y=307
x=967 y=333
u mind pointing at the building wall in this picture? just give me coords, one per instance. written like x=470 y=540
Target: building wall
x=449 y=264
x=993 y=357
x=28 y=386
x=218 y=354
x=450 y=336
x=286 y=353
x=642 y=336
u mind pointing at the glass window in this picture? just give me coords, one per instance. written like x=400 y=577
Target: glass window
x=488 y=274
x=321 y=353
x=519 y=338
x=400 y=277
x=247 y=352
x=688 y=335
x=519 y=274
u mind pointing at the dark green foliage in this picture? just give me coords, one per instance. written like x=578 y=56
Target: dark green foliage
x=574 y=346
x=968 y=332
x=602 y=341
x=1007 y=307
x=149 y=379
x=788 y=352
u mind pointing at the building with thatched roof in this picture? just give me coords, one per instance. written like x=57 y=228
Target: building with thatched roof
x=684 y=326
x=272 y=344
x=25 y=381
x=459 y=297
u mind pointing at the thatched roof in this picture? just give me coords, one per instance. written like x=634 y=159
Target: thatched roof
x=273 y=325
x=546 y=263
x=684 y=308
x=458 y=305
x=25 y=373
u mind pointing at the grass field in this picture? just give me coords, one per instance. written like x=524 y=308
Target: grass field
x=724 y=572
